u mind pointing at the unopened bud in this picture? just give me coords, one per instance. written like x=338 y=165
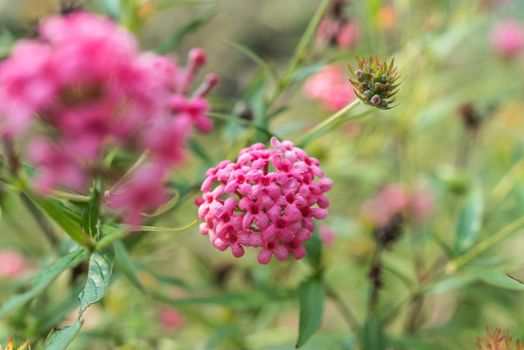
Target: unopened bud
x=376 y=82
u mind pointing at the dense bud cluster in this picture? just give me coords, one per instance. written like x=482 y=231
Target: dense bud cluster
x=267 y=199
x=375 y=82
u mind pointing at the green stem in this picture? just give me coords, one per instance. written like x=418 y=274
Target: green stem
x=305 y=41
x=326 y=124
x=300 y=51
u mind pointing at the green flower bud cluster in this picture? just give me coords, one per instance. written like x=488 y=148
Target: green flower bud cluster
x=375 y=82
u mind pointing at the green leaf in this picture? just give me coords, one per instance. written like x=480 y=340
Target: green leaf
x=62 y=216
x=500 y=280
x=57 y=313
x=124 y=264
x=270 y=71
x=232 y=300
x=187 y=28
x=98 y=278
x=311 y=299
x=92 y=212
x=450 y=283
x=373 y=337
x=44 y=278
x=314 y=250
x=172 y=281
x=61 y=339
x=470 y=221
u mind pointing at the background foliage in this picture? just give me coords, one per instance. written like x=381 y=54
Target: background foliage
x=443 y=281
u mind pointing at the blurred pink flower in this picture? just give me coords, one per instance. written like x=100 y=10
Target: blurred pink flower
x=390 y=200
x=348 y=35
x=327 y=234
x=82 y=88
x=267 y=199
x=507 y=38
x=57 y=166
x=421 y=205
x=143 y=192
x=170 y=318
x=331 y=87
x=338 y=31
x=394 y=199
x=12 y=264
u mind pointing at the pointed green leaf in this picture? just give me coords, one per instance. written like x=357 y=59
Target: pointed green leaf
x=270 y=71
x=125 y=265
x=92 y=212
x=311 y=299
x=470 y=221
x=373 y=337
x=98 y=278
x=500 y=280
x=61 y=215
x=451 y=283
x=314 y=250
x=44 y=278
x=61 y=339
x=187 y=28
x=57 y=313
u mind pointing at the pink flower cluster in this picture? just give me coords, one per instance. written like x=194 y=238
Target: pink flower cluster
x=170 y=319
x=345 y=34
x=396 y=199
x=507 y=38
x=266 y=200
x=82 y=88
x=12 y=264
x=331 y=87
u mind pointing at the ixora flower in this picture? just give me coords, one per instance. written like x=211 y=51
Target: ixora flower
x=375 y=82
x=267 y=199
x=83 y=88
x=9 y=345
x=330 y=87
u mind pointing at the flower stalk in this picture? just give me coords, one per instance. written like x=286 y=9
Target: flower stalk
x=321 y=128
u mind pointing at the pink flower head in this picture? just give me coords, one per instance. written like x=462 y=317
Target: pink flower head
x=327 y=234
x=338 y=31
x=56 y=166
x=83 y=88
x=267 y=199
x=330 y=86
x=170 y=318
x=348 y=35
x=416 y=205
x=12 y=264
x=421 y=205
x=507 y=38
x=384 y=205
